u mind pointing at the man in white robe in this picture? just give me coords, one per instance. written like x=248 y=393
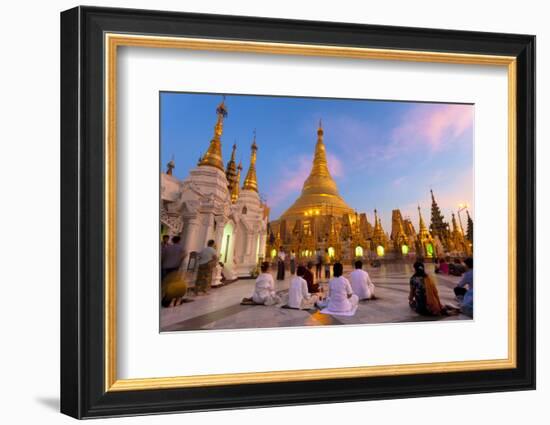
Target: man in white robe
x=298 y=295
x=264 y=290
x=341 y=298
x=361 y=284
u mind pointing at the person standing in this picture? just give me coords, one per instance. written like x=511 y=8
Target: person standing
x=208 y=258
x=361 y=284
x=326 y=261
x=171 y=257
x=318 y=263
x=281 y=264
x=292 y=262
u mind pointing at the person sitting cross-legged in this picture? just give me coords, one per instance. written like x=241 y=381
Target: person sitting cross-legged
x=298 y=294
x=361 y=284
x=341 y=298
x=264 y=290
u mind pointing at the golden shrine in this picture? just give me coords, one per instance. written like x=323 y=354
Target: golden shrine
x=321 y=220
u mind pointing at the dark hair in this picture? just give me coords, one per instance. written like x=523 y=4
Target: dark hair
x=165 y=237
x=264 y=267
x=337 y=269
x=309 y=265
x=469 y=262
x=358 y=264
x=176 y=239
x=419 y=269
x=441 y=260
x=211 y=242
x=165 y=302
x=301 y=270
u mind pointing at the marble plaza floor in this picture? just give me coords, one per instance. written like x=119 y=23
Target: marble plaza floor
x=221 y=308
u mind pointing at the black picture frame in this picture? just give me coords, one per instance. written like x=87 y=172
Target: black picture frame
x=83 y=392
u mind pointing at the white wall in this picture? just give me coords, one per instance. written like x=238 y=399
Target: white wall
x=29 y=225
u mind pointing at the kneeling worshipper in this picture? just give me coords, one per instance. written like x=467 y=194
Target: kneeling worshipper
x=298 y=295
x=341 y=300
x=264 y=291
x=361 y=284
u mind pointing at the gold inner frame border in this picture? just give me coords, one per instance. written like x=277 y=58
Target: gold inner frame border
x=113 y=40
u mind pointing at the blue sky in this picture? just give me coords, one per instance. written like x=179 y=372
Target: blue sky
x=382 y=154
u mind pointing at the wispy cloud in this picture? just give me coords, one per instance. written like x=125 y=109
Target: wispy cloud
x=431 y=126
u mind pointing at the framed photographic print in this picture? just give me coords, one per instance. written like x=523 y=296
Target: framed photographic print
x=261 y=212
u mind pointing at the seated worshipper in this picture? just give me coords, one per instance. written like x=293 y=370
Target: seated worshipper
x=208 y=259
x=466 y=296
x=174 y=289
x=361 y=284
x=456 y=268
x=264 y=291
x=341 y=298
x=298 y=295
x=312 y=287
x=443 y=267
x=171 y=257
x=424 y=296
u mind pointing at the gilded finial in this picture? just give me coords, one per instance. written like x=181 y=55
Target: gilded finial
x=251 y=181
x=213 y=156
x=170 y=166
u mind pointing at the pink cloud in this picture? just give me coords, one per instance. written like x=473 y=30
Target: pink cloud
x=434 y=126
x=335 y=166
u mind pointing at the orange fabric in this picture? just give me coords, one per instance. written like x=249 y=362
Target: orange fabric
x=433 y=304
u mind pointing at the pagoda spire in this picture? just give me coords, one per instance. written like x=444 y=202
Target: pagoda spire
x=213 y=156
x=231 y=170
x=235 y=191
x=170 y=166
x=320 y=164
x=438 y=226
x=251 y=181
x=421 y=225
x=470 y=228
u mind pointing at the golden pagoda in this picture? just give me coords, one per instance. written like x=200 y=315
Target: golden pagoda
x=319 y=193
x=251 y=181
x=426 y=245
x=213 y=156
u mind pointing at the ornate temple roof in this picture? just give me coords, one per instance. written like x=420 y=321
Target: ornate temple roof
x=320 y=194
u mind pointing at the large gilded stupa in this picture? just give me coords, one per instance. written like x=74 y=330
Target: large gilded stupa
x=319 y=194
x=320 y=220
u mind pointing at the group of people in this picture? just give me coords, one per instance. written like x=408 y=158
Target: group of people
x=322 y=261
x=424 y=295
x=343 y=294
x=174 y=287
x=303 y=293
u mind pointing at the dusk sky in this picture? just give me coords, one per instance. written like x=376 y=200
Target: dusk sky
x=382 y=154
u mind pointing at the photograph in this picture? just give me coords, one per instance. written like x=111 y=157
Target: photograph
x=280 y=212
